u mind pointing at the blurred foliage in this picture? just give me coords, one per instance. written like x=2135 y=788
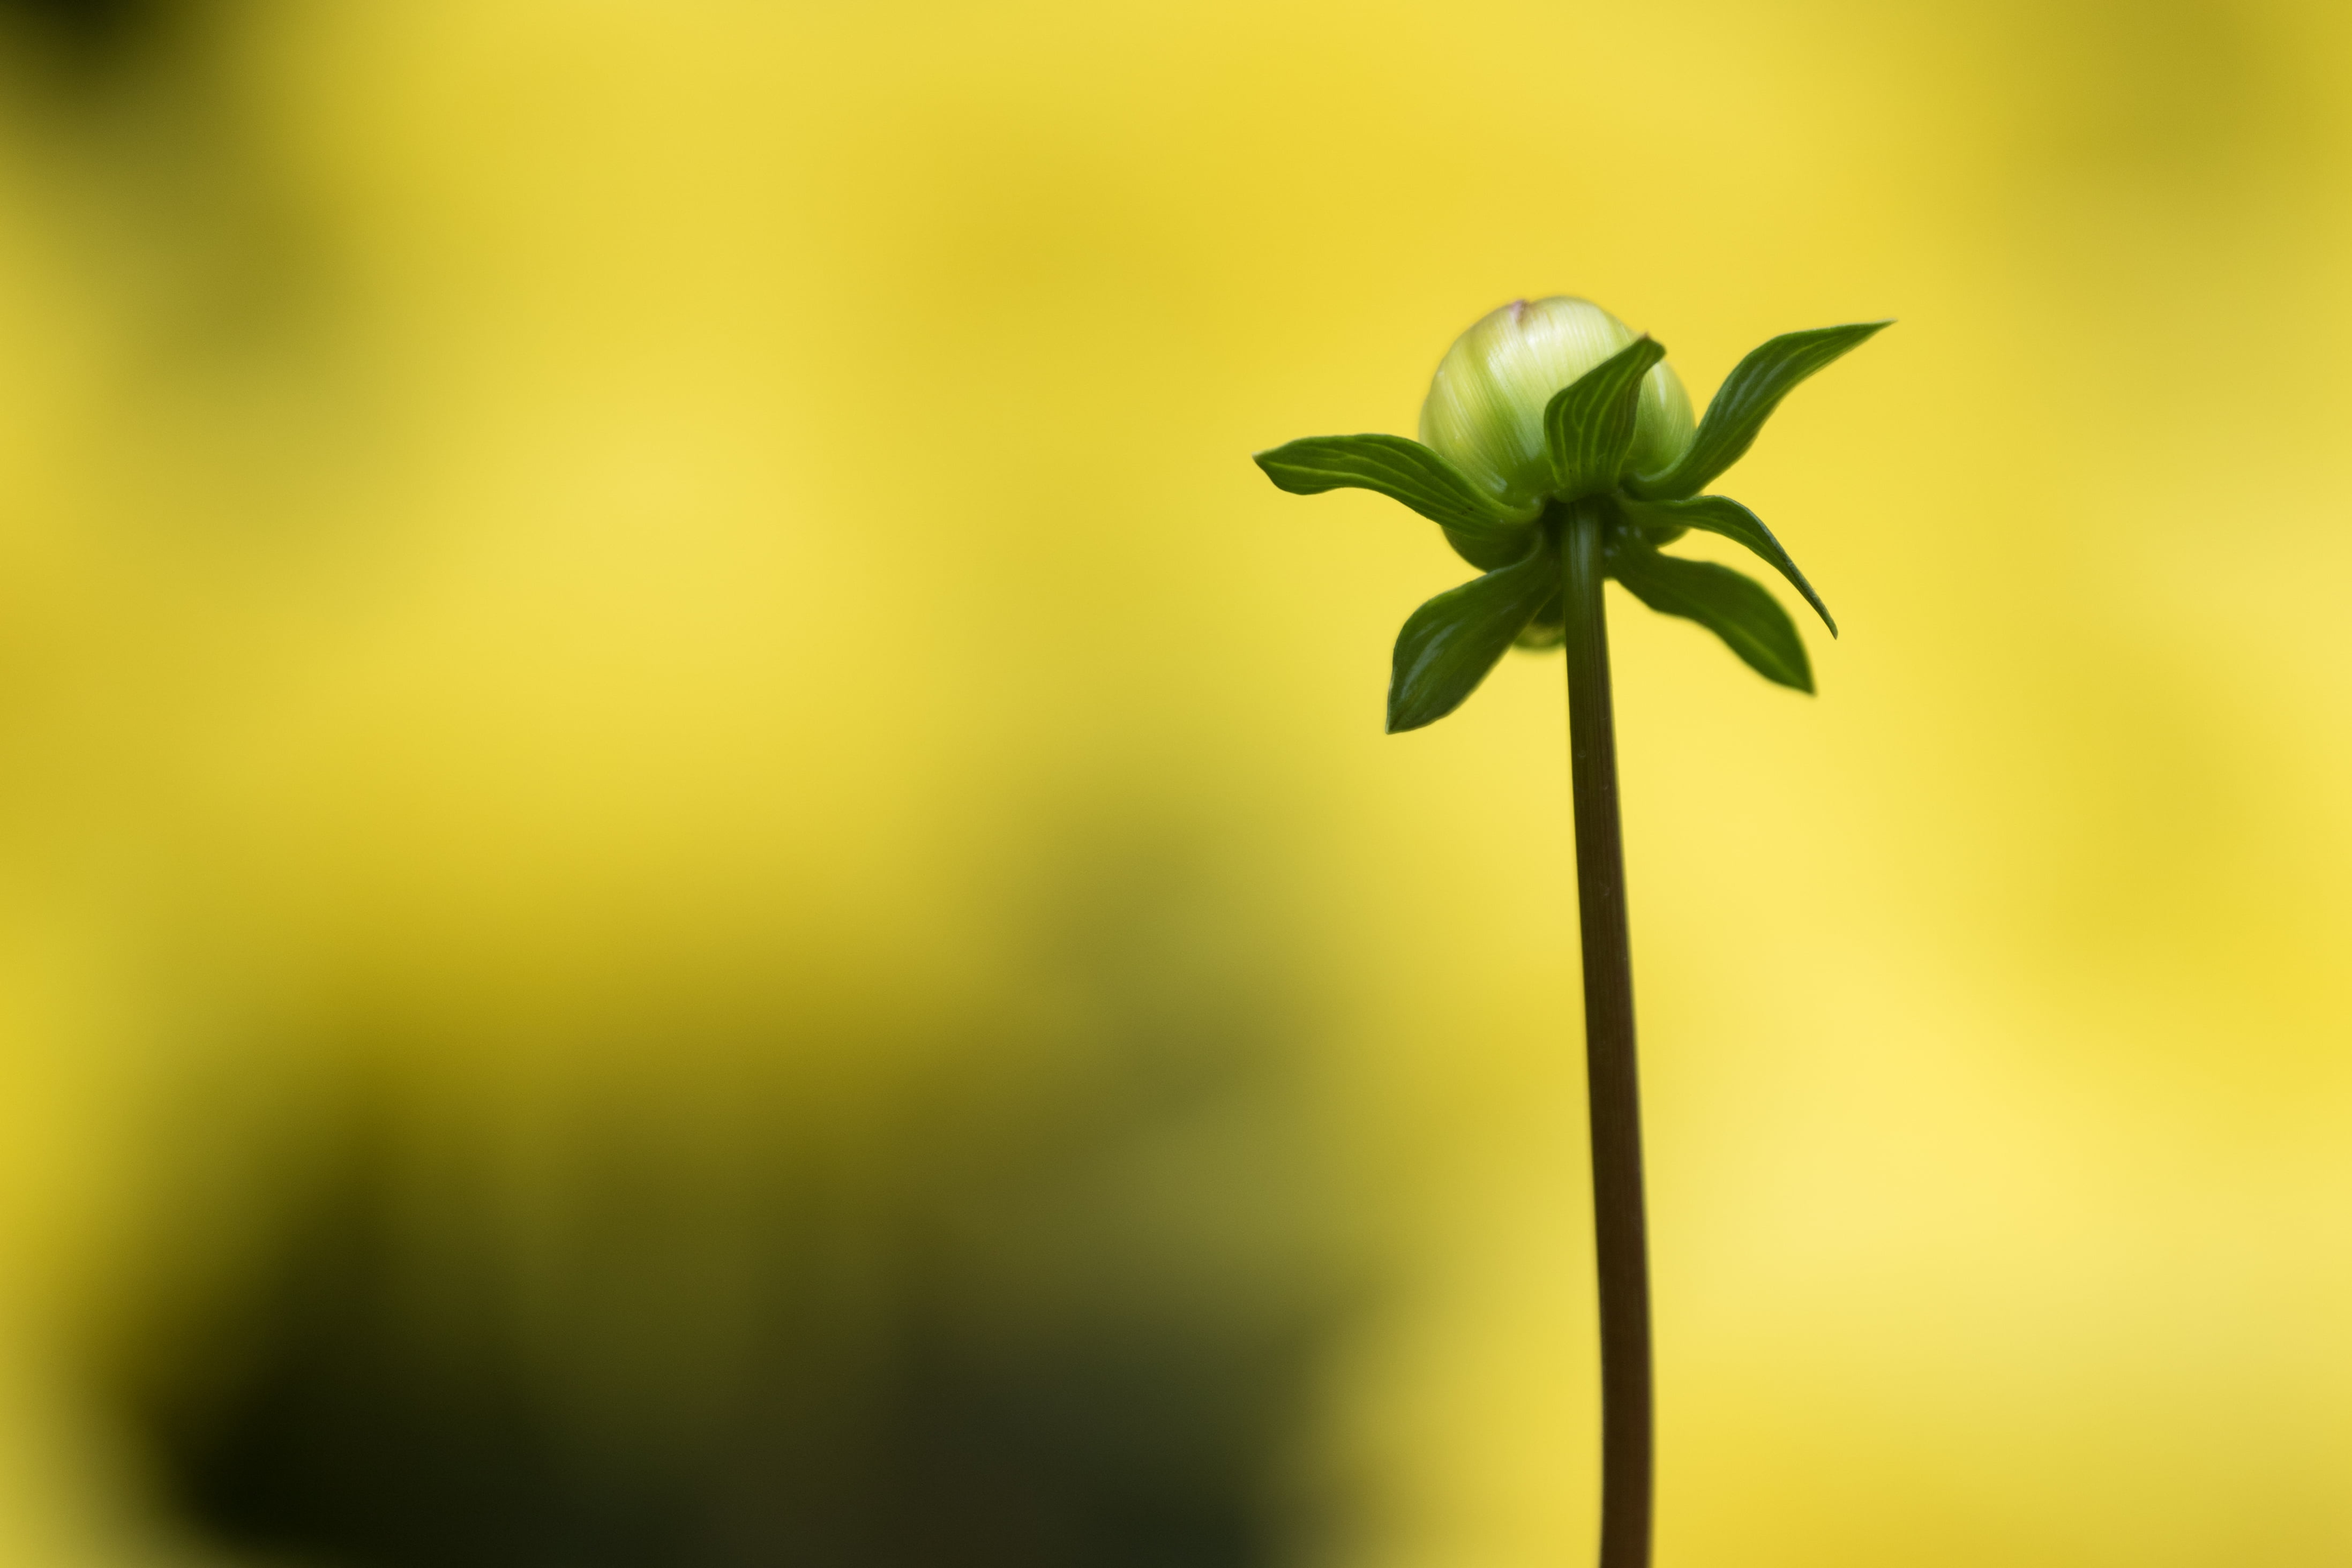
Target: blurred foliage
x=91 y=22
x=972 y=1327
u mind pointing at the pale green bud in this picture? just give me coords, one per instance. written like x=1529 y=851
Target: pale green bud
x=1485 y=405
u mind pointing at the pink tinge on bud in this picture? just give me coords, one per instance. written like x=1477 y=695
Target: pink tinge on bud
x=1485 y=403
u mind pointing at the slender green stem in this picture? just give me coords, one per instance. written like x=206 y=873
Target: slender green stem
x=1620 y=1242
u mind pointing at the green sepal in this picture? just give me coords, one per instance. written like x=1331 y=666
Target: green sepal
x=1402 y=470
x=1449 y=644
x=1488 y=551
x=1661 y=520
x=1745 y=400
x=1547 y=628
x=1734 y=607
x=1589 y=423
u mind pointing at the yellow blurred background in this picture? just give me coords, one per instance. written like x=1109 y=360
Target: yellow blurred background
x=691 y=871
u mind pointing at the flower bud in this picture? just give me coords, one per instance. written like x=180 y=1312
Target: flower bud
x=1485 y=405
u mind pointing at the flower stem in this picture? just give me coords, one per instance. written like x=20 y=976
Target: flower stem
x=1619 y=1239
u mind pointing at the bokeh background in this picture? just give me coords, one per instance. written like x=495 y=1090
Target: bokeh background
x=692 y=873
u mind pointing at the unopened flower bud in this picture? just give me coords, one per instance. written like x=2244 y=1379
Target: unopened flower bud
x=1485 y=405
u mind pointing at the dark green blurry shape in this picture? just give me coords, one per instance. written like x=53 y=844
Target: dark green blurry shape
x=1745 y=400
x=968 y=1335
x=94 y=30
x=1589 y=423
x=1449 y=644
x=1735 y=608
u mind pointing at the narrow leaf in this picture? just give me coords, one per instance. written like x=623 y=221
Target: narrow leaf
x=1735 y=608
x=1745 y=400
x=1722 y=515
x=1589 y=423
x=1400 y=469
x=1449 y=644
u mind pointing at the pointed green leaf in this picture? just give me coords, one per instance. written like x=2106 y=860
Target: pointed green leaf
x=1589 y=423
x=1722 y=515
x=1402 y=470
x=1735 y=608
x=1745 y=400
x=1449 y=644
